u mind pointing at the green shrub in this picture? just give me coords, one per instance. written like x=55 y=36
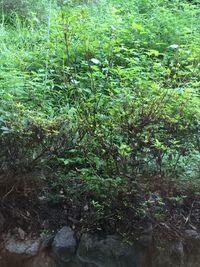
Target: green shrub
x=119 y=82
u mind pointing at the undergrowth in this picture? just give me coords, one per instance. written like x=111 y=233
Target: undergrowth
x=103 y=97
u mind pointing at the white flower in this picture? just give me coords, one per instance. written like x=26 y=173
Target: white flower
x=174 y=46
x=95 y=60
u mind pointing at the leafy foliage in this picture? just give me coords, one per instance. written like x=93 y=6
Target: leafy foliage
x=101 y=93
x=23 y=9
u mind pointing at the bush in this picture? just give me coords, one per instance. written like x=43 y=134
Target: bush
x=112 y=92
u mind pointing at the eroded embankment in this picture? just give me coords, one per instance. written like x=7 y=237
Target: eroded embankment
x=92 y=250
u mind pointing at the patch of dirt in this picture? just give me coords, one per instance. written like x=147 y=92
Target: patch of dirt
x=29 y=206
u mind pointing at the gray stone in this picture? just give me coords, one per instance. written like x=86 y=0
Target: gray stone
x=192 y=248
x=25 y=247
x=192 y=234
x=168 y=254
x=110 y=251
x=64 y=244
x=177 y=253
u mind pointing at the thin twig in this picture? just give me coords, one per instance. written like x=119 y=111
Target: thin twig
x=190 y=212
x=8 y=193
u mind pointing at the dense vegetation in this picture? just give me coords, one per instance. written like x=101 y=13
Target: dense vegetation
x=103 y=97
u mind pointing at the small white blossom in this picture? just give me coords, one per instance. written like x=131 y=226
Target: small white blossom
x=174 y=46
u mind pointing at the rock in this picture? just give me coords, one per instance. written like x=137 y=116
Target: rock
x=64 y=244
x=168 y=253
x=192 y=248
x=21 y=233
x=110 y=251
x=177 y=253
x=192 y=234
x=25 y=247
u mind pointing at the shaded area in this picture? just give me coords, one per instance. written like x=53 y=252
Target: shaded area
x=110 y=251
